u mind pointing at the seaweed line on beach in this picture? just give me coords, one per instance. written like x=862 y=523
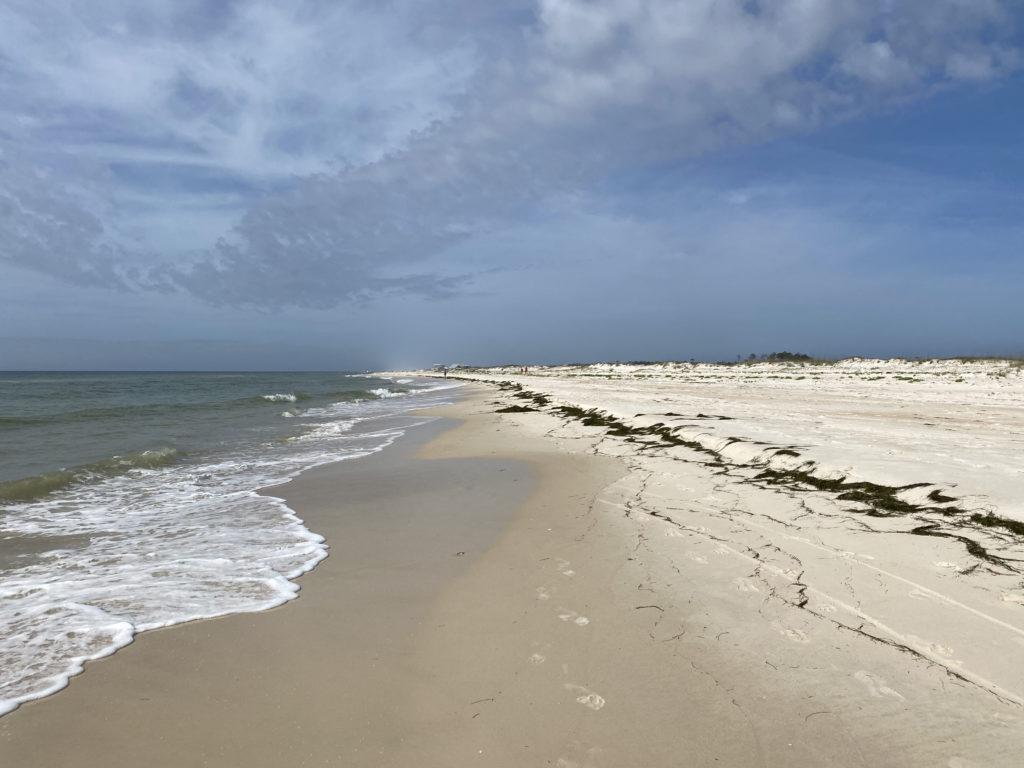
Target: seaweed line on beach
x=800 y=599
x=934 y=513
x=869 y=499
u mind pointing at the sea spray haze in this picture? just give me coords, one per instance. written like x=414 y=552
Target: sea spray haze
x=128 y=501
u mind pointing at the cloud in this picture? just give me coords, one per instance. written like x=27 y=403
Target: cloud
x=43 y=226
x=358 y=141
x=255 y=88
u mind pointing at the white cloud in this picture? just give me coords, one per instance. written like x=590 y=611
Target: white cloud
x=445 y=128
x=877 y=63
x=977 y=66
x=268 y=88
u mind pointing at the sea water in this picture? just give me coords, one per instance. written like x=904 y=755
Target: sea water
x=128 y=501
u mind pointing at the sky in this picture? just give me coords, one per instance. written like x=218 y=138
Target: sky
x=357 y=184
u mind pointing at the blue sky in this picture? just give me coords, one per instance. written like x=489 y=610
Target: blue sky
x=262 y=185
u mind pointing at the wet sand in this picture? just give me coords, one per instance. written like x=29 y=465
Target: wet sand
x=321 y=680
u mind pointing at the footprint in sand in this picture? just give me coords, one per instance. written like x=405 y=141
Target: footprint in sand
x=587 y=697
x=697 y=558
x=538 y=658
x=567 y=615
x=588 y=759
x=941 y=650
x=591 y=700
x=1009 y=597
x=720 y=550
x=543 y=594
x=745 y=585
x=876 y=685
x=936 y=649
x=564 y=569
x=792 y=634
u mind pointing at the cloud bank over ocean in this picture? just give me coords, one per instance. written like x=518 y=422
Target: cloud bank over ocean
x=311 y=154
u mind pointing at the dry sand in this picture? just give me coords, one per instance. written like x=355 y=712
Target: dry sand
x=617 y=604
x=729 y=623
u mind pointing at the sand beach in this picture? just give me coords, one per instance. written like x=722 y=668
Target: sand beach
x=762 y=565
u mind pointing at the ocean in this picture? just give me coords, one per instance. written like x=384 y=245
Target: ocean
x=128 y=501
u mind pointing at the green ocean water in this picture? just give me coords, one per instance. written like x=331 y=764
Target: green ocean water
x=53 y=423
x=128 y=501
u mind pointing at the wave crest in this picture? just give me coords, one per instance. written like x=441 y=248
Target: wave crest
x=383 y=392
x=38 y=486
x=279 y=398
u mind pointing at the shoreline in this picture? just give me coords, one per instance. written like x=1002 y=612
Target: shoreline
x=196 y=691
x=502 y=595
x=170 y=527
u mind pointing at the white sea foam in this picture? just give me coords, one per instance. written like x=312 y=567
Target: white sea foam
x=384 y=392
x=330 y=429
x=279 y=398
x=440 y=387
x=160 y=546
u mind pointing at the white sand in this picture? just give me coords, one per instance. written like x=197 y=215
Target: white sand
x=850 y=609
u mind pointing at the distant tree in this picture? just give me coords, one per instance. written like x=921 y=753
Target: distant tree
x=788 y=357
